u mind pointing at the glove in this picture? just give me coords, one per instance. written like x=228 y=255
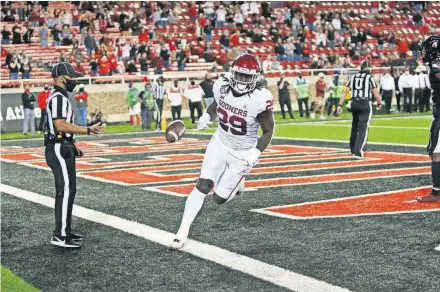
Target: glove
x=78 y=152
x=204 y=121
x=252 y=156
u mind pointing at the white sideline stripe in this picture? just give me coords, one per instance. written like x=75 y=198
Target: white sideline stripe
x=437 y=248
x=270 y=273
x=349 y=126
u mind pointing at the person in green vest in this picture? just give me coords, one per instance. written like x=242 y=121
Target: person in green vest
x=147 y=106
x=134 y=106
x=336 y=89
x=302 y=94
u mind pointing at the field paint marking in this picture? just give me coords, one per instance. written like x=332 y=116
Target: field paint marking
x=193 y=132
x=268 y=210
x=437 y=248
x=261 y=270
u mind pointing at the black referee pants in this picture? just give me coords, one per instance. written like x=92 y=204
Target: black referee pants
x=361 y=112
x=407 y=99
x=195 y=106
x=159 y=106
x=61 y=159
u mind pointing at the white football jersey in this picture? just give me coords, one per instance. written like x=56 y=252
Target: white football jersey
x=238 y=125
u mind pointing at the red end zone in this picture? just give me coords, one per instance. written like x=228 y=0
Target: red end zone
x=395 y=202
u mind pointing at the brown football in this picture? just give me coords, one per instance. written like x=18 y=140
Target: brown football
x=175 y=131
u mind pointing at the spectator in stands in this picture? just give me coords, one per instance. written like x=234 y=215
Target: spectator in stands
x=113 y=63
x=415 y=47
x=164 y=16
x=209 y=9
x=93 y=65
x=9 y=17
x=234 y=41
x=134 y=106
x=16 y=35
x=44 y=35
x=157 y=64
x=126 y=48
x=362 y=36
x=6 y=36
x=208 y=32
x=157 y=16
x=224 y=39
x=192 y=12
x=14 y=67
x=227 y=66
x=34 y=17
x=380 y=40
x=143 y=62
x=81 y=97
x=208 y=57
x=289 y=48
x=267 y=64
x=181 y=58
x=28 y=35
x=402 y=48
x=90 y=42
x=280 y=51
x=56 y=35
x=42 y=100
x=65 y=34
x=221 y=16
x=104 y=68
x=26 y=69
x=143 y=36
x=75 y=16
x=165 y=54
x=79 y=68
x=131 y=69
x=258 y=36
x=28 y=99
x=321 y=39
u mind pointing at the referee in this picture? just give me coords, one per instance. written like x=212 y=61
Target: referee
x=59 y=139
x=363 y=88
x=158 y=95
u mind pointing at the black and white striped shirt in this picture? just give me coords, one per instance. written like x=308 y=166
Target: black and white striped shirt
x=361 y=86
x=58 y=107
x=158 y=91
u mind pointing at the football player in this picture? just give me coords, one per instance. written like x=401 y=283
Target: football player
x=242 y=106
x=430 y=55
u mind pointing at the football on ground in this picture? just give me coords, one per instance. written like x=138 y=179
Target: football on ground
x=175 y=131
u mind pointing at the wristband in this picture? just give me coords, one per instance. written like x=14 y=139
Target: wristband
x=339 y=105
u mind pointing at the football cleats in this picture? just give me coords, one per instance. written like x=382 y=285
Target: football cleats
x=430 y=49
x=245 y=73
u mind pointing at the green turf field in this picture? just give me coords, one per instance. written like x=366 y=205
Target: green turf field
x=344 y=224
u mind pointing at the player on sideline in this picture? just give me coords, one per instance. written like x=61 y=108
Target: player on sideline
x=430 y=54
x=242 y=106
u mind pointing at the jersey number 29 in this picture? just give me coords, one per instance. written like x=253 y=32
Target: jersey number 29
x=238 y=124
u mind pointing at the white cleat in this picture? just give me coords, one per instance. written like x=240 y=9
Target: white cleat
x=312 y=115
x=240 y=190
x=322 y=118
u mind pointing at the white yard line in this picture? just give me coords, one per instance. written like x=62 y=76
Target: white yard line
x=267 y=272
x=349 y=126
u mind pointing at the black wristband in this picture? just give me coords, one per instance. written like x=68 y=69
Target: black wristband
x=339 y=105
x=88 y=131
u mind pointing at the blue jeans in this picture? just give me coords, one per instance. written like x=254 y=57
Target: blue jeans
x=82 y=115
x=193 y=18
x=208 y=37
x=75 y=22
x=331 y=44
x=93 y=72
x=297 y=57
x=56 y=44
x=163 y=22
x=43 y=43
x=220 y=24
x=158 y=71
x=167 y=64
x=380 y=47
x=6 y=42
x=281 y=57
x=35 y=23
x=290 y=57
x=26 y=75
x=13 y=75
x=182 y=67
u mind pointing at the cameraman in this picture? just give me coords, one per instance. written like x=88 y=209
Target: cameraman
x=284 y=96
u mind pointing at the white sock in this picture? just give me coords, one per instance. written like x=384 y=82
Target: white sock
x=194 y=203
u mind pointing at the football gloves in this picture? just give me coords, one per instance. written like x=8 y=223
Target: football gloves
x=78 y=152
x=204 y=121
x=252 y=156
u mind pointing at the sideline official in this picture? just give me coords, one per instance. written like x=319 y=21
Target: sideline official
x=61 y=151
x=363 y=88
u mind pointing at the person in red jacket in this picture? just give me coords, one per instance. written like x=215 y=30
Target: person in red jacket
x=104 y=67
x=234 y=41
x=143 y=36
x=193 y=12
x=82 y=97
x=113 y=63
x=42 y=100
x=79 y=68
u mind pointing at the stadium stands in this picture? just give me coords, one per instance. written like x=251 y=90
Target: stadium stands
x=373 y=30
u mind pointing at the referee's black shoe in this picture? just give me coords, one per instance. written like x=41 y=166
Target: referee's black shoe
x=64 y=241
x=76 y=237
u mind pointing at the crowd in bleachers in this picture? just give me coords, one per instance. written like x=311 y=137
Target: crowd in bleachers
x=107 y=38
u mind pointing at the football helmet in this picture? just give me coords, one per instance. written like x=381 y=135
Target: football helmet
x=245 y=73
x=430 y=49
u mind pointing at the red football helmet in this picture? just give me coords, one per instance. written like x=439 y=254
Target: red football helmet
x=245 y=72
